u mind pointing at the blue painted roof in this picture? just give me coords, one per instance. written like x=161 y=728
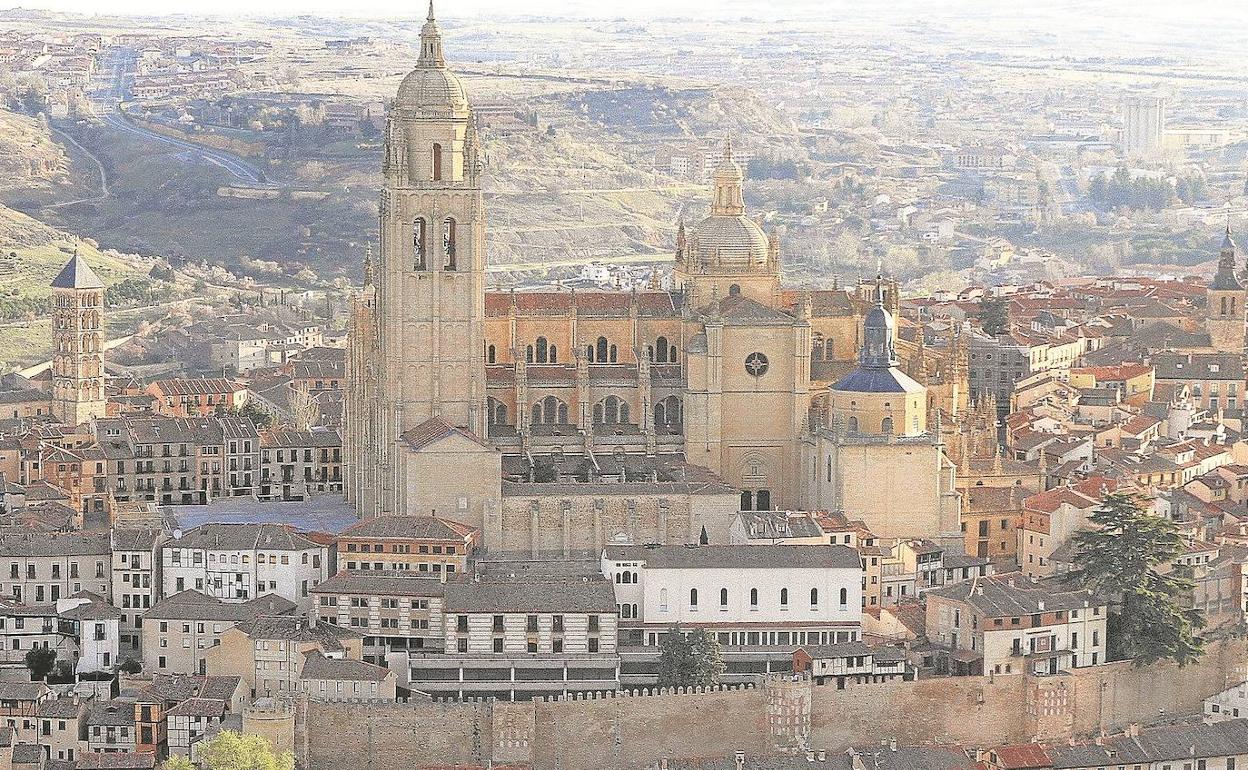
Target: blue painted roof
x=870 y=379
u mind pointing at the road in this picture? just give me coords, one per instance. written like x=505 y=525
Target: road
x=118 y=72
x=104 y=192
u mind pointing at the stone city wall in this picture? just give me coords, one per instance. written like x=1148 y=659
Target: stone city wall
x=784 y=714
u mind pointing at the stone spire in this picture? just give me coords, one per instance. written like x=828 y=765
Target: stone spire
x=1226 y=279
x=431 y=43
x=368 y=265
x=728 y=199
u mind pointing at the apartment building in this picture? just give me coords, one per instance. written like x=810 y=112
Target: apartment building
x=268 y=652
x=1215 y=380
x=136 y=580
x=111 y=728
x=407 y=544
x=1009 y=623
x=42 y=567
x=95 y=624
x=1194 y=746
x=60 y=726
x=297 y=464
x=331 y=679
x=395 y=611
x=516 y=639
x=238 y=562
x=853 y=662
x=24 y=628
x=196 y=397
x=19 y=707
x=1050 y=520
x=179 y=460
x=180 y=629
x=189 y=721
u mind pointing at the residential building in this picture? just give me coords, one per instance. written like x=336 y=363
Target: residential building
x=1010 y=623
x=40 y=568
x=407 y=544
x=239 y=562
x=395 y=611
x=136 y=580
x=852 y=663
x=330 y=679
x=180 y=629
x=268 y=652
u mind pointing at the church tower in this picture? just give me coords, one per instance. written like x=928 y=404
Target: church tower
x=1224 y=310
x=430 y=281
x=78 y=338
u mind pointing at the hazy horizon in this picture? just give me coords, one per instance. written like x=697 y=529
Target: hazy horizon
x=1158 y=14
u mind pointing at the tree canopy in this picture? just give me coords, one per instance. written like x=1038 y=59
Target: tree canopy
x=229 y=750
x=1130 y=557
x=40 y=661
x=689 y=659
x=994 y=316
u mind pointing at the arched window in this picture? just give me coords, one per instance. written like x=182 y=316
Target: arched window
x=612 y=355
x=886 y=425
x=660 y=346
x=491 y=354
x=844 y=596
x=550 y=411
x=448 y=243
x=671 y=353
x=650 y=352
x=723 y=597
x=816 y=347
x=762 y=500
x=554 y=354
x=753 y=597
x=418 y=244
x=663 y=600
x=747 y=501
x=829 y=463
x=543 y=350
x=610 y=411
x=496 y=411
x=667 y=411
x=528 y=354
x=601 y=351
x=814 y=597
x=1224 y=306
x=784 y=597
x=437 y=162
x=693 y=598
x=853 y=424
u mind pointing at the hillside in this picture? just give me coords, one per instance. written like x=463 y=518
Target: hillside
x=29 y=158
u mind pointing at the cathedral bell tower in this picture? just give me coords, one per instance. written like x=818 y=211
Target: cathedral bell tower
x=431 y=277
x=78 y=336
x=1224 y=311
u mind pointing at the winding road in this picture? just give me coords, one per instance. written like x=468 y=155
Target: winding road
x=118 y=68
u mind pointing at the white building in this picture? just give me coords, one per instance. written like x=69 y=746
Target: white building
x=98 y=628
x=136 y=581
x=748 y=595
x=1228 y=704
x=238 y=562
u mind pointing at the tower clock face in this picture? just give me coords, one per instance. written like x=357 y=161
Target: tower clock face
x=756 y=364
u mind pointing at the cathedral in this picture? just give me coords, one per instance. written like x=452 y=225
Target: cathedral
x=462 y=400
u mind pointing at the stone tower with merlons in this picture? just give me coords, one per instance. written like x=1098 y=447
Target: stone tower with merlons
x=78 y=344
x=430 y=299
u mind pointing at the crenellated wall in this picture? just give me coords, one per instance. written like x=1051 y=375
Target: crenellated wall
x=785 y=714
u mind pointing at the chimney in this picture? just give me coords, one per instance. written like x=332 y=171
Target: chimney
x=823 y=755
x=1133 y=730
x=738 y=760
x=663 y=763
x=892 y=744
x=810 y=755
x=1040 y=605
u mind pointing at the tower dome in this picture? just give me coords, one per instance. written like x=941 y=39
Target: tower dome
x=727 y=236
x=431 y=90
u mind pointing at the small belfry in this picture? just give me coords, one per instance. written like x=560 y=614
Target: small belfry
x=78 y=394
x=1225 y=309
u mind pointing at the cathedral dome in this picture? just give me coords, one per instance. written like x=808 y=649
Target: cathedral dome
x=431 y=89
x=731 y=240
x=727 y=236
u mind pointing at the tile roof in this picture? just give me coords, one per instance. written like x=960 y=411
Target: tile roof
x=435 y=429
x=77 y=274
x=118 y=760
x=55 y=544
x=317 y=666
x=198 y=707
x=737 y=556
x=193 y=605
x=1159 y=744
x=414 y=527
x=532 y=595
x=243 y=537
x=298 y=630
x=1010 y=594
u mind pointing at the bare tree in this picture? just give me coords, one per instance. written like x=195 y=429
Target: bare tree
x=304 y=413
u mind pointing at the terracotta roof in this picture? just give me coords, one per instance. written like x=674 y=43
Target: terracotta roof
x=435 y=429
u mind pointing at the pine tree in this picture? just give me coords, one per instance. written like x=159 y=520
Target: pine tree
x=994 y=317
x=708 y=665
x=1129 y=556
x=676 y=664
